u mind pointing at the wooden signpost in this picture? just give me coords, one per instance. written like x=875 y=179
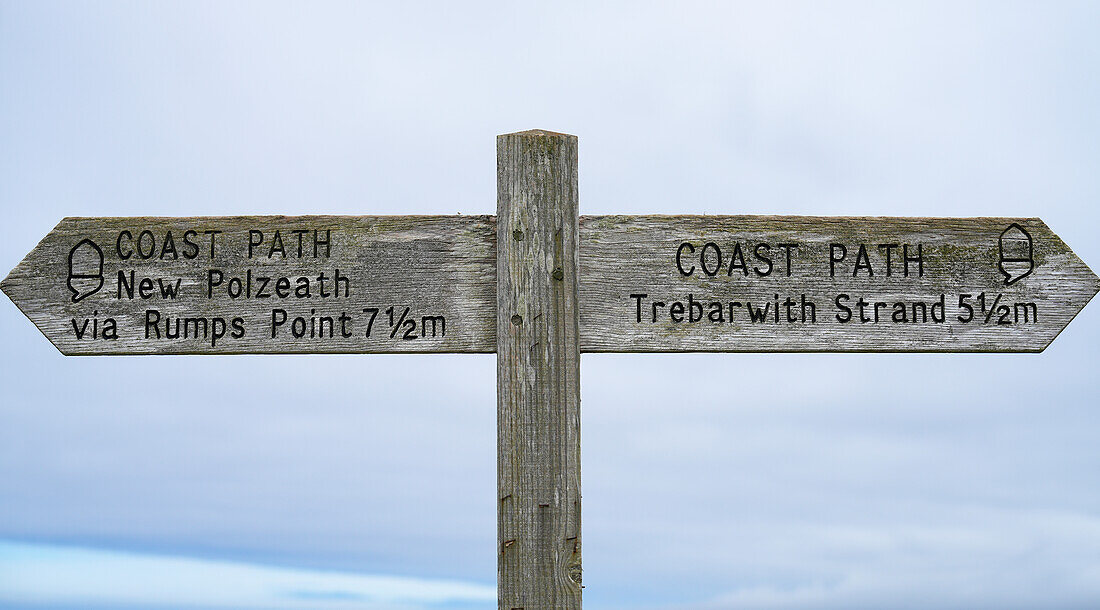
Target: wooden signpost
x=537 y=284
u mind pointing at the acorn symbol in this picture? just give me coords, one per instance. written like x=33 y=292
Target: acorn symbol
x=1016 y=254
x=85 y=269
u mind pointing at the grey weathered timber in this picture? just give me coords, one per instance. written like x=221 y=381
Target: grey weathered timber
x=537 y=284
x=723 y=284
x=265 y=284
x=442 y=268
x=538 y=373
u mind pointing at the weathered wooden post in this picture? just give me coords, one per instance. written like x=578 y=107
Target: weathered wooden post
x=389 y=284
x=538 y=373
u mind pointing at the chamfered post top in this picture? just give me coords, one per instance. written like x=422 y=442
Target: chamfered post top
x=537 y=133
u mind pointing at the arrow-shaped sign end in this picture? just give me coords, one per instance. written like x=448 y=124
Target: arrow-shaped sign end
x=23 y=287
x=1081 y=283
x=10 y=284
x=6 y=285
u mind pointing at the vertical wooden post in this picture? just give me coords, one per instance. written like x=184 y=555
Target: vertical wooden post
x=538 y=373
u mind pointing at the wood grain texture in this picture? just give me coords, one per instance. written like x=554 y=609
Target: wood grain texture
x=445 y=266
x=538 y=373
x=432 y=265
x=959 y=257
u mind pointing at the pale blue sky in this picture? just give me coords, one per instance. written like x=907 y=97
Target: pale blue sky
x=717 y=481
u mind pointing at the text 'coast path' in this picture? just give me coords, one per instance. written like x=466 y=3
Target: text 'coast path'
x=371 y=284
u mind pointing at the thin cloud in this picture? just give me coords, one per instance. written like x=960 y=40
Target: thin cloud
x=56 y=575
